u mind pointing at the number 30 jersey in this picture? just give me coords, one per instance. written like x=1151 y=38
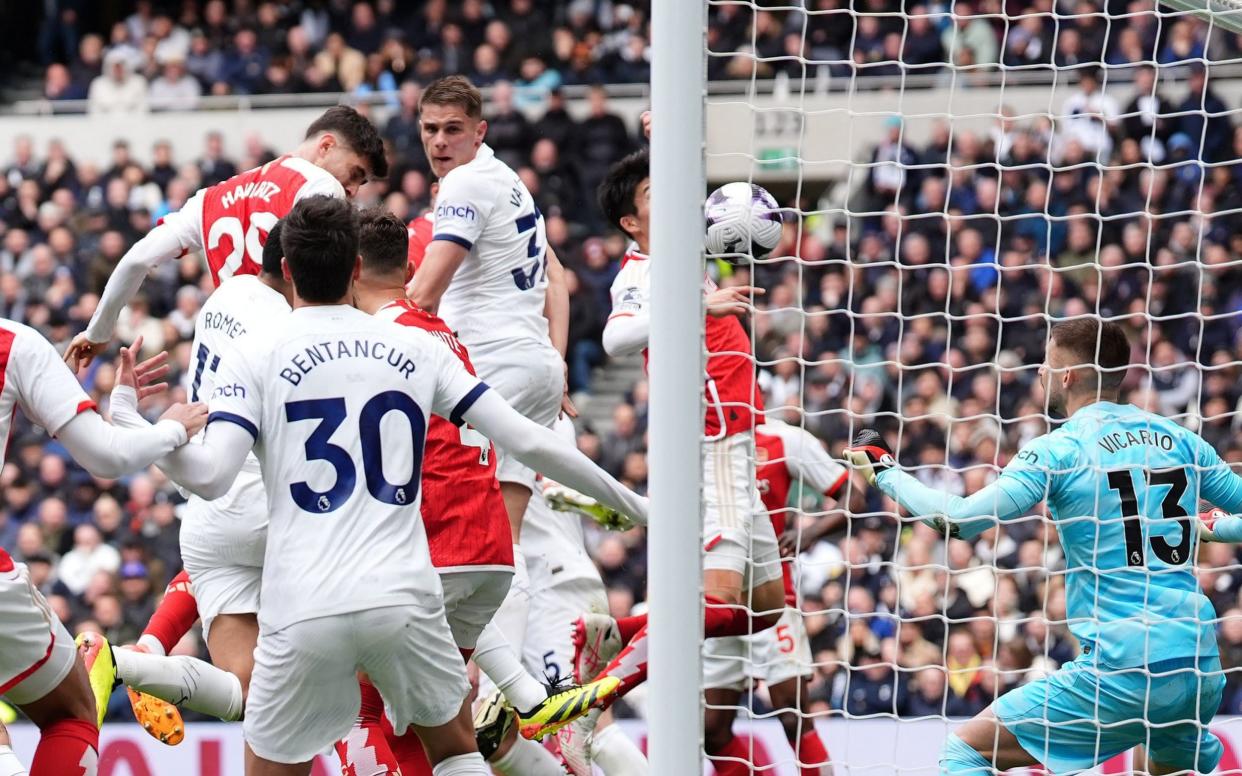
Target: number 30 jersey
x=236 y=310
x=498 y=291
x=1123 y=487
x=467 y=525
x=338 y=402
x=229 y=221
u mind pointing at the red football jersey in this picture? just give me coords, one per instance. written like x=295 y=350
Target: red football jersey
x=420 y=237
x=237 y=214
x=734 y=401
x=776 y=468
x=467 y=525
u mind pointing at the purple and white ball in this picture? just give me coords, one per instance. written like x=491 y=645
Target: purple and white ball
x=742 y=220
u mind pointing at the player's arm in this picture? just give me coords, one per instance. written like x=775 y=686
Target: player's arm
x=808 y=461
x=464 y=202
x=542 y=450
x=51 y=396
x=177 y=233
x=1220 y=486
x=629 y=324
x=207 y=469
x=556 y=304
x=1022 y=485
x=432 y=279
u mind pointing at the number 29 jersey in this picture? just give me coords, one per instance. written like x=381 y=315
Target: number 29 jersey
x=498 y=291
x=339 y=402
x=229 y=221
x=1123 y=487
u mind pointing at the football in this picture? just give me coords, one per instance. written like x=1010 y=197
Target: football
x=743 y=220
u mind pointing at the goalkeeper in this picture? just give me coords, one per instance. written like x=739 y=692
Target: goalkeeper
x=1122 y=486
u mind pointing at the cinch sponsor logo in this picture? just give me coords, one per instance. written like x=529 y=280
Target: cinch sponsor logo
x=264 y=190
x=230 y=391
x=455 y=211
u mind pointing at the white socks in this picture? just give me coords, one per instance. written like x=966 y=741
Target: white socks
x=494 y=657
x=462 y=765
x=528 y=758
x=9 y=764
x=183 y=681
x=616 y=754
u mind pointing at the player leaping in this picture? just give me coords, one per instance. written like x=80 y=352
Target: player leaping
x=741 y=557
x=229 y=221
x=318 y=398
x=1122 y=486
x=222 y=541
x=488 y=273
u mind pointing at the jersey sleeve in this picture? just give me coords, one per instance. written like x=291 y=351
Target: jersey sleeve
x=49 y=394
x=456 y=389
x=1029 y=477
x=807 y=460
x=186 y=224
x=1218 y=484
x=320 y=186
x=463 y=206
x=631 y=295
x=237 y=398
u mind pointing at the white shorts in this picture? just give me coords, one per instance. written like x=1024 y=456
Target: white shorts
x=304 y=692
x=222 y=546
x=531 y=377
x=737 y=534
x=471 y=598
x=549 y=647
x=772 y=656
x=36 y=652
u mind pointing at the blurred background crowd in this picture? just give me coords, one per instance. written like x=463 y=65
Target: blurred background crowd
x=924 y=314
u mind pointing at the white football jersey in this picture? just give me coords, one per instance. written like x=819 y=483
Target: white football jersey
x=338 y=403
x=242 y=307
x=498 y=291
x=804 y=456
x=33 y=377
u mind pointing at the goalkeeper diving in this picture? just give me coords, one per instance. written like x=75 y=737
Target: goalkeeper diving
x=1122 y=486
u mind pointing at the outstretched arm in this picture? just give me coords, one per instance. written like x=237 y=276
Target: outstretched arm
x=971 y=515
x=109 y=451
x=542 y=450
x=208 y=469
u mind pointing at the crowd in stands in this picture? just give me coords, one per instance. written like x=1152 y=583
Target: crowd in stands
x=166 y=56
x=926 y=317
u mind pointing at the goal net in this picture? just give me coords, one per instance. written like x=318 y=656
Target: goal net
x=956 y=178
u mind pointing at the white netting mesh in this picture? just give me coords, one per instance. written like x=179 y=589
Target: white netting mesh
x=958 y=176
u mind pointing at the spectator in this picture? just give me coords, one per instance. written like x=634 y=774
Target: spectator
x=175 y=89
x=215 y=166
x=340 y=62
x=119 y=90
x=602 y=140
x=59 y=85
x=970 y=39
x=535 y=82
x=1090 y=116
x=89 y=556
x=508 y=131
x=1204 y=117
x=922 y=45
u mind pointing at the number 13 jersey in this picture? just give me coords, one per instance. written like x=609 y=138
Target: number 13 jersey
x=338 y=402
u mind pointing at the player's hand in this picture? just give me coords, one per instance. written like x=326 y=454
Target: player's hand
x=734 y=300
x=144 y=378
x=81 y=352
x=192 y=416
x=646 y=120
x=1207 y=524
x=870 y=454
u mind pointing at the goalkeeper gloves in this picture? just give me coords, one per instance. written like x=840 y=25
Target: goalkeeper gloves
x=1207 y=524
x=869 y=454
